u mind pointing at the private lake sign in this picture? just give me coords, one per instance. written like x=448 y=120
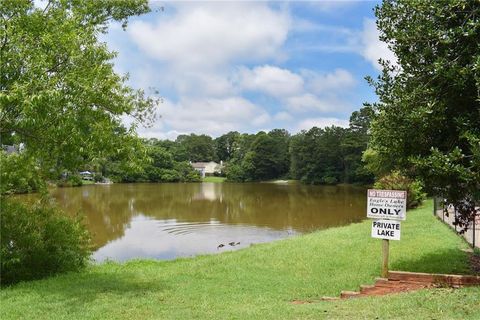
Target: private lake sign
x=386 y=229
x=386 y=204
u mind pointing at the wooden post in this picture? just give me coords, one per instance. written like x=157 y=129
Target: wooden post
x=385 y=249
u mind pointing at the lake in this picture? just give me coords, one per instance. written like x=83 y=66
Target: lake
x=166 y=221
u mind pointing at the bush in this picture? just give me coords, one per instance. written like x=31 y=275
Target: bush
x=329 y=180
x=396 y=181
x=169 y=175
x=234 y=173
x=72 y=180
x=98 y=177
x=187 y=172
x=18 y=174
x=39 y=241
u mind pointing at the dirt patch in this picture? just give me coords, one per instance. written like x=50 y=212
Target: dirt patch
x=300 y=302
x=475 y=262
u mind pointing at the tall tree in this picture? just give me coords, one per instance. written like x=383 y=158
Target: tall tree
x=266 y=158
x=354 y=144
x=194 y=148
x=225 y=145
x=428 y=121
x=59 y=94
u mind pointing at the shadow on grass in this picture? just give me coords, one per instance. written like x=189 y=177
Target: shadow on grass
x=452 y=261
x=80 y=289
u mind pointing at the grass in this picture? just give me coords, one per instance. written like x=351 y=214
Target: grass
x=214 y=179
x=260 y=282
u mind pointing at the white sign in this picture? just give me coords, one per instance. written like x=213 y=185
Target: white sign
x=386 y=229
x=386 y=204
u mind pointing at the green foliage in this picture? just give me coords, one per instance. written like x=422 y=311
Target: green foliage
x=72 y=180
x=396 y=181
x=194 y=148
x=98 y=177
x=160 y=166
x=333 y=154
x=187 y=173
x=234 y=172
x=39 y=241
x=316 y=156
x=226 y=144
x=267 y=157
x=428 y=116
x=19 y=174
x=59 y=94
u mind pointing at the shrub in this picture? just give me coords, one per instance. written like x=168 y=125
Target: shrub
x=329 y=180
x=187 y=172
x=98 y=177
x=39 y=241
x=72 y=180
x=169 y=175
x=396 y=181
x=234 y=173
x=192 y=176
x=18 y=174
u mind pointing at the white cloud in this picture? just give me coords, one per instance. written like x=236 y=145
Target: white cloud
x=197 y=55
x=272 y=80
x=338 y=80
x=282 y=116
x=321 y=123
x=372 y=48
x=206 y=35
x=213 y=116
x=299 y=92
x=202 y=83
x=309 y=102
x=364 y=42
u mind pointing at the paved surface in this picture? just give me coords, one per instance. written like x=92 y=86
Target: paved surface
x=469 y=234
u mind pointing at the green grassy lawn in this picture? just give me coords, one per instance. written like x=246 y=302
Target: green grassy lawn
x=214 y=179
x=261 y=281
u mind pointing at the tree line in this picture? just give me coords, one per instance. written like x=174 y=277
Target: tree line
x=317 y=156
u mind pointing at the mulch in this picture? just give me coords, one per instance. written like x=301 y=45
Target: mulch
x=475 y=262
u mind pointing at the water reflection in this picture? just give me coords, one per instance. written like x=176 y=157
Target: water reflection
x=172 y=220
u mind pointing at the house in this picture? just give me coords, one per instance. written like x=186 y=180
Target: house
x=207 y=168
x=86 y=175
x=11 y=149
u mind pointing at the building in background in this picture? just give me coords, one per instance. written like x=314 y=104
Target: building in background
x=207 y=168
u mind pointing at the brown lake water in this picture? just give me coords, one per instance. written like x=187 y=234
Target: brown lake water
x=165 y=221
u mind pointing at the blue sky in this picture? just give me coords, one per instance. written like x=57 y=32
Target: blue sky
x=250 y=66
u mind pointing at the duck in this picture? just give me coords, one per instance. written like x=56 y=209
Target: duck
x=221 y=245
x=232 y=243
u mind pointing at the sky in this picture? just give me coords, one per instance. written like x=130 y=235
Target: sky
x=249 y=66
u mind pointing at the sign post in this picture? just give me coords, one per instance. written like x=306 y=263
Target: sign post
x=385 y=252
x=388 y=208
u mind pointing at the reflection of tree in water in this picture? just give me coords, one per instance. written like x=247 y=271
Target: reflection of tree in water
x=109 y=209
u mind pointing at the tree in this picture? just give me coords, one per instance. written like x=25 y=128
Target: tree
x=59 y=94
x=354 y=144
x=317 y=157
x=259 y=157
x=61 y=99
x=194 y=148
x=428 y=117
x=225 y=145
